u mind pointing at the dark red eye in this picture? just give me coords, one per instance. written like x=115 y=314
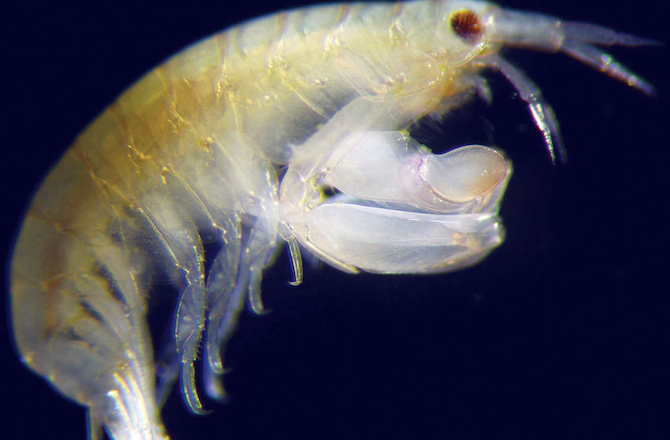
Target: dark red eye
x=467 y=26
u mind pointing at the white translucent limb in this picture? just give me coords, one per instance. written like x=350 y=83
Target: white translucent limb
x=390 y=167
x=126 y=410
x=579 y=40
x=235 y=276
x=530 y=93
x=183 y=240
x=402 y=209
x=296 y=259
x=391 y=241
x=94 y=425
x=605 y=63
x=167 y=370
x=220 y=286
x=222 y=322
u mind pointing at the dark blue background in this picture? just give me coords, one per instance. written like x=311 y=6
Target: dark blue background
x=561 y=333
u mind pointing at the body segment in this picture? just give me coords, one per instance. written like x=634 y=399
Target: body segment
x=195 y=153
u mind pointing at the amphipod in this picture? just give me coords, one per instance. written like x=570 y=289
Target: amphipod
x=290 y=128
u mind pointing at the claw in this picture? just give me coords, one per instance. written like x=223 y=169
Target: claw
x=189 y=390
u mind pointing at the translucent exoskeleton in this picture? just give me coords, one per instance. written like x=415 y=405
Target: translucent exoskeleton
x=288 y=128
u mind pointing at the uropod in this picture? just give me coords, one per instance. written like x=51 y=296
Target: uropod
x=240 y=141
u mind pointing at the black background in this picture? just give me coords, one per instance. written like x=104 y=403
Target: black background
x=561 y=333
